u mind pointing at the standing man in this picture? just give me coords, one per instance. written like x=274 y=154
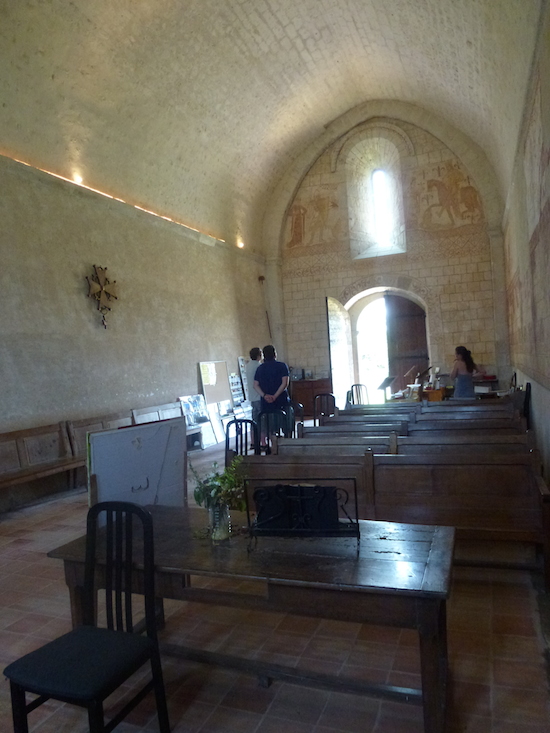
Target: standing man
x=253 y=395
x=271 y=381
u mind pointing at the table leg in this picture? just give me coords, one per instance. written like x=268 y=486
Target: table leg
x=76 y=596
x=432 y=629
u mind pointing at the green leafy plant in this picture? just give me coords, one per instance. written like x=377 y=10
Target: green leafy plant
x=221 y=487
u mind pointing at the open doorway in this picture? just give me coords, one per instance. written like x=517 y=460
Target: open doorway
x=376 y=335
x=372 y=349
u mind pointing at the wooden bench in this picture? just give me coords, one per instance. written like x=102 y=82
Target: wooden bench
x=318 y=445
x=78 y=429
x=460 y=442
x=438 y=427
x=486 y=496
x=347 y=472
x=26 y=455
x=167 y=411
x=371 y=419
x=344 y=428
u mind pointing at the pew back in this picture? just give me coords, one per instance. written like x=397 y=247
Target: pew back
x=485 y=496
x=34 y=453
x=348 y=472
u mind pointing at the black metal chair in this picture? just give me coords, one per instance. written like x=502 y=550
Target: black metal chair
x=323 y=405
x=298 y=417
x=359 y=394
x=241 y=437
x=84 y=666
x=279 y=422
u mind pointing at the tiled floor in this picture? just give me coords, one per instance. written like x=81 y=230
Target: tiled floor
x=499 y=680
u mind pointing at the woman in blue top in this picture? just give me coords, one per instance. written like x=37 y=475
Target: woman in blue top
x=463 y=372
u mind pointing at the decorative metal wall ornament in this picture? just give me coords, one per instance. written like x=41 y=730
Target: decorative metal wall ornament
x=102 y=290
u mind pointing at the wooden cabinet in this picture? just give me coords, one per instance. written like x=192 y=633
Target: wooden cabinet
x=304 y=391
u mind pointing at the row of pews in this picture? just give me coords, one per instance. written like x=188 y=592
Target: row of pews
x=469 y=465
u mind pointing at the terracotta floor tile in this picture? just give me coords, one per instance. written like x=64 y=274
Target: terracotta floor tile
x=379 y=634
x=516 y=704
x=338 y=629
x=380 y=656
x=470 y=668
x=246 y=694
x=519 y=726
x=512 y=673
x=407 y=659
x=331 y=650
x=516 y=625
x=464 y=642
x=470 y=698
x=351 y=713
x=515 y=647
x=280 y=725
x=281 y=643
x=228 y=720
x=302 y=704
x=299 y=624
x=390 y=724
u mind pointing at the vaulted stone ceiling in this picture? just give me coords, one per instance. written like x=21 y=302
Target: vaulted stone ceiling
x=195 y=108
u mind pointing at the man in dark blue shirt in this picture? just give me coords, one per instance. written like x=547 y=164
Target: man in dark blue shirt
x=271 y=381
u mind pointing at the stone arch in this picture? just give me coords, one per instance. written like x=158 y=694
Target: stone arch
x=407 y=287
x=460 y=144
x=347 y=142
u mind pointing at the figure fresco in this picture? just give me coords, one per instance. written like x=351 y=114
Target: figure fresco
x=297 y=216
x=443 y=197
x=314 y=218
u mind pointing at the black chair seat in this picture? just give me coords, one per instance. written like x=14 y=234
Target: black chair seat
x=95 y=662
x=86 y=665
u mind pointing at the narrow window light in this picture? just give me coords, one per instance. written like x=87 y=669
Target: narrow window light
x=77 y=179
x=383 y=208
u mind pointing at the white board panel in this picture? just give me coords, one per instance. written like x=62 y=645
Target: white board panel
x=143 y=463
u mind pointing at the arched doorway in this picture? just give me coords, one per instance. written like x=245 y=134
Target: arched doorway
x=379 y=333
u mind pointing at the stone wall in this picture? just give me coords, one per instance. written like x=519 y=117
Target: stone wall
x=448 y=264
x=183 y=298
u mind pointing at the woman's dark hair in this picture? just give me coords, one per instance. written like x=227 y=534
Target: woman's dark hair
x=255 y=353
x=466 y=357
x=269 y=352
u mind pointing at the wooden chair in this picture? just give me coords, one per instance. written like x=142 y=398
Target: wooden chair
x=245 y=439
x=84 y=666
x=324 y=404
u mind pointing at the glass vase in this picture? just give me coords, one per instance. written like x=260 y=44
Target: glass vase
x=220 y=522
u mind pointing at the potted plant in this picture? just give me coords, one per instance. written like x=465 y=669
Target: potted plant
x=220 y=491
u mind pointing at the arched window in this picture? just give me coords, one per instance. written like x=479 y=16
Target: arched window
x=375 y=198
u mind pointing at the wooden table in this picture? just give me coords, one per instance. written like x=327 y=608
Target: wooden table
x=399 y=576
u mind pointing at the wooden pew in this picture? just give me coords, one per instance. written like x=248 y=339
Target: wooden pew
x=438 y=427
x=344 y=428
x=503 y=405
x=78 y=429
x=356 y=444
x=348 y=472
x=351 y=418
x=26 y=455
x=167 y=411
x=486 y=496
x=335 y=445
